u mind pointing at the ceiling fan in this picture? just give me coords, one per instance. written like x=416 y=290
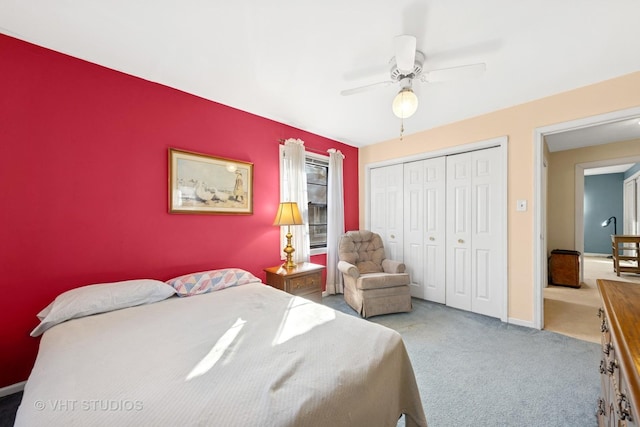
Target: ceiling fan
x=406 y=66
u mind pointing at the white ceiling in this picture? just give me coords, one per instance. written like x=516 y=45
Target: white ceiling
x=623 y=130
x=288 y=60
x=608 y=169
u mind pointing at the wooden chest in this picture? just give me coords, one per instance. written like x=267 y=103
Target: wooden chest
x=564 y=268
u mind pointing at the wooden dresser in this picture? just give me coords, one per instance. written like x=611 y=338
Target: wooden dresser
x=304 y=280
x=619 y=401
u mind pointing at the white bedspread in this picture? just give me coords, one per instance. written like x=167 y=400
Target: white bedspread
x=245 y=356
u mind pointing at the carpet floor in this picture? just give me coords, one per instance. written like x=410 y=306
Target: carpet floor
x=474 y=370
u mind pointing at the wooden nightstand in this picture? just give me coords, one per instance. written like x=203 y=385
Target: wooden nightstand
x=305 y=280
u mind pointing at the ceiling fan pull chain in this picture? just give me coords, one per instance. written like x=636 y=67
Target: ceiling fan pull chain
x=401 y=127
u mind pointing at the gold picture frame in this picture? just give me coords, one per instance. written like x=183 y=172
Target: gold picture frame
x=204 y=184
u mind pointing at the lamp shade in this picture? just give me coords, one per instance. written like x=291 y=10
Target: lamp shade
x=288 y=214
x=405 y=103
x=607 y=221
x=615 y=225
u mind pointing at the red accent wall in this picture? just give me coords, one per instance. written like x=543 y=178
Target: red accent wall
x=83 y=170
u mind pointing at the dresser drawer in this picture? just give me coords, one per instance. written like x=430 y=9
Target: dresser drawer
x=620 y=379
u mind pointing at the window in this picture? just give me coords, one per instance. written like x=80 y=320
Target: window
x=317 y=170
x=317 y=174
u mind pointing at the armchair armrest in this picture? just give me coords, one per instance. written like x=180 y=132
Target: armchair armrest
x=348 y=269
x=393 y=267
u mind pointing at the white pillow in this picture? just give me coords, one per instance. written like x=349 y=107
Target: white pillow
x=99 y=298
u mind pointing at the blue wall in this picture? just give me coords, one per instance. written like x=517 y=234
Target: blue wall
x=603 y=198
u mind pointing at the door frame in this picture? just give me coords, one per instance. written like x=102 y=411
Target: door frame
x=500 y=142
x=540 y=202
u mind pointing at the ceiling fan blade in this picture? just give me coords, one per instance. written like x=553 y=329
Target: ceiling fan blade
x=454 y=73
x=365 y=88
x=405 y=49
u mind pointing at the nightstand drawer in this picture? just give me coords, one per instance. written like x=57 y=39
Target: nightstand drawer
x=305 y=284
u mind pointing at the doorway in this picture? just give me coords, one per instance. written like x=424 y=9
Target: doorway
x=594 y=123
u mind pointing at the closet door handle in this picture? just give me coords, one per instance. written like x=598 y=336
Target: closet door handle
x=460 y=241
x=432 y=238
x=393 y=237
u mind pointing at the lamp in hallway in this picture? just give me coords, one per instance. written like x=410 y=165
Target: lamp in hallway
x=615 y=225
x=288 y=214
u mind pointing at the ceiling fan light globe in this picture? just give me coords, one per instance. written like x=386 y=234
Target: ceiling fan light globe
x=405 y=104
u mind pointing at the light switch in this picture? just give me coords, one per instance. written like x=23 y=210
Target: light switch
x=521 y=205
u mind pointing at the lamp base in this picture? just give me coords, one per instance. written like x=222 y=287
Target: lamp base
x=289 y=264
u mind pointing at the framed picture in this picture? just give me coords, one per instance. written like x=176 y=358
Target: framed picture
x=203 y=184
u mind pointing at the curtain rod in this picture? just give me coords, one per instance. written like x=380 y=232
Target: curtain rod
x=281 y=141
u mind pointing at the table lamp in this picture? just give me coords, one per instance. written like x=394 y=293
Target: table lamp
x=288 y=214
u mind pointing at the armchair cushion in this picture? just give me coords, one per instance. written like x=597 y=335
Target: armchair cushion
x=382 y=280
x=391 y=266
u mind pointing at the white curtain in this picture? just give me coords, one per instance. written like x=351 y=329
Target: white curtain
x=335 y=220
x=294 y=189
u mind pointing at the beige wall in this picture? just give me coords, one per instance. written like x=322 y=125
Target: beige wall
x=561 y=189
x=518 y=124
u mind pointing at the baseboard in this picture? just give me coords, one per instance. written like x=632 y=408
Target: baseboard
x=13 y=388
x=520 y=322
x=598 y=255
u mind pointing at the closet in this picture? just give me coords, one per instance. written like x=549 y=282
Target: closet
x=450 y=226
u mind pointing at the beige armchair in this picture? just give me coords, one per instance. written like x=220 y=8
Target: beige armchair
x=373 y=285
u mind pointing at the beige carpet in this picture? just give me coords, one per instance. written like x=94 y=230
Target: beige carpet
x=574 y=312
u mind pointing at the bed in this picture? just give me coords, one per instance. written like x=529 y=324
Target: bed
x=246 y=355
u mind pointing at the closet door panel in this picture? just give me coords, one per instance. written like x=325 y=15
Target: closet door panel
x=377 y=200
x=393 y=243
x=486 y=236
x=458 y=248
x=386 y=214
x=434 y=229
x=414 y=256
x=482 y=287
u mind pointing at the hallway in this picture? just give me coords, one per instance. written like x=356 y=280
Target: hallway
x=574 y=312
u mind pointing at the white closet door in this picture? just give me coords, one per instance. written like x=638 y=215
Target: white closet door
x=387 y=207
x=435 y=229
x=458 y=234
x=486 y=232
x=629 y=202
x=424 y=227
x=475 y=214
x=414 y=226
